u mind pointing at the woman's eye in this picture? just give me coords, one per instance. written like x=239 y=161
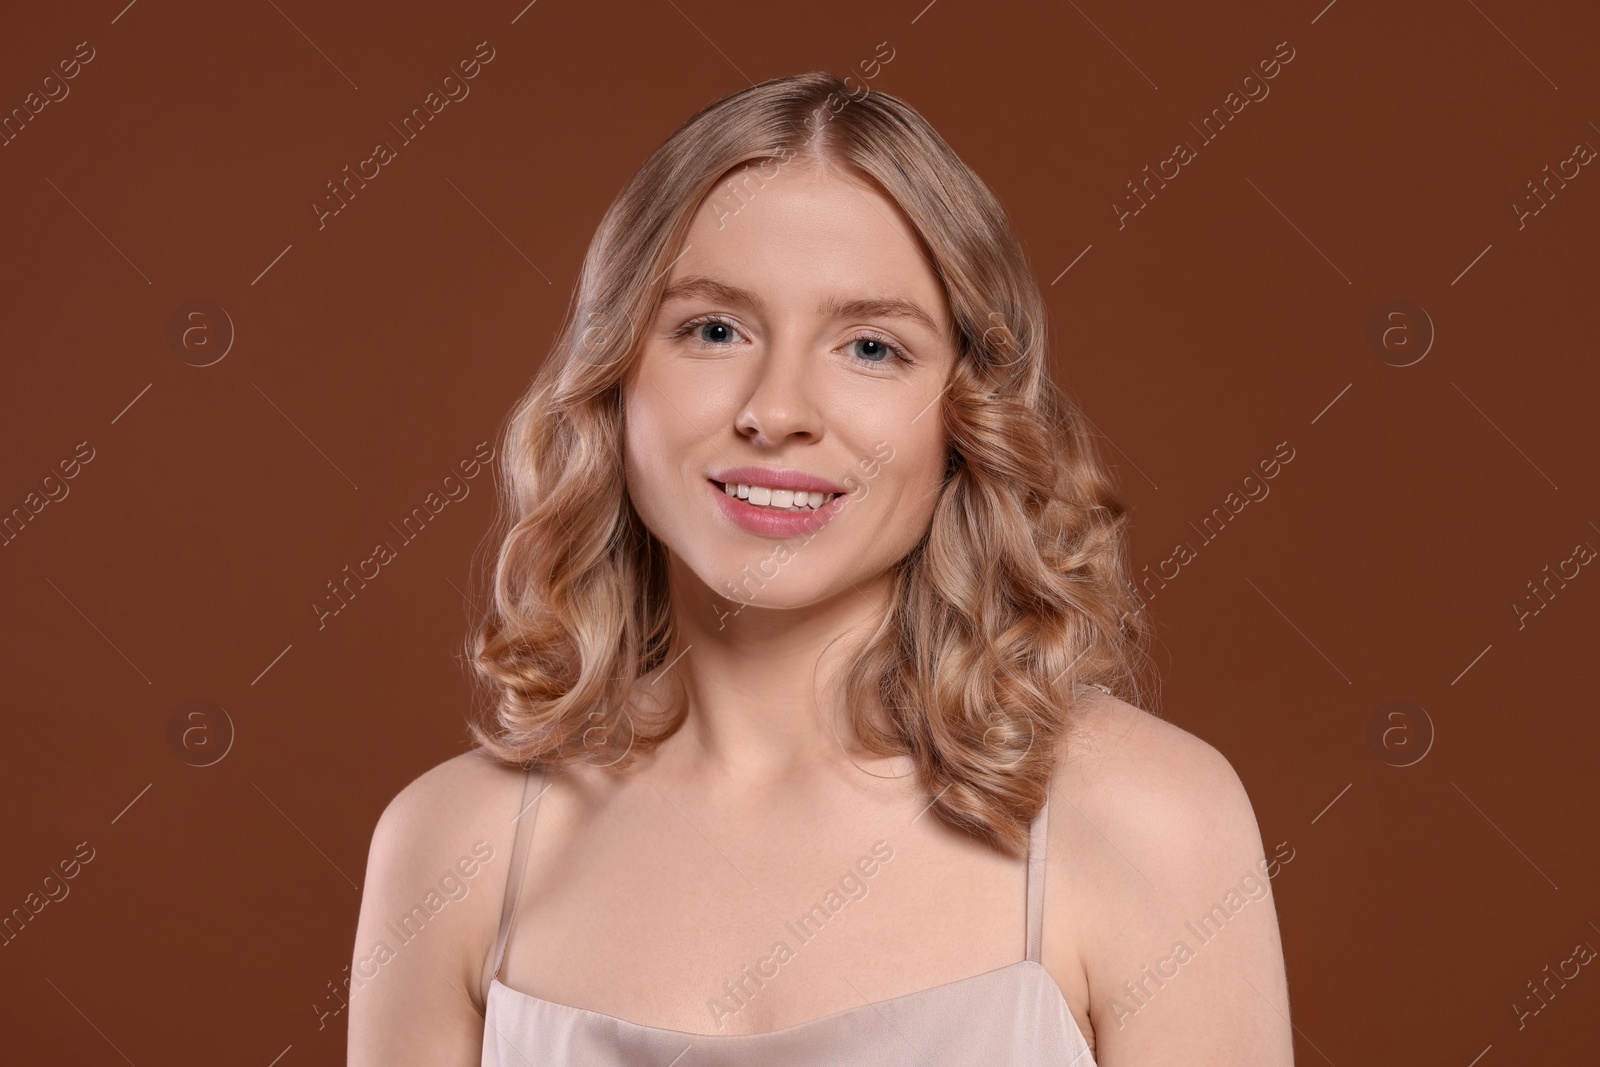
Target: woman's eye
x=717 y=333
x=710 y=331
x=868 y=349
x=872 y=349
x=876 y=350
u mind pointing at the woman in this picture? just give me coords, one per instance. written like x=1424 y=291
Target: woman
x=810 y=593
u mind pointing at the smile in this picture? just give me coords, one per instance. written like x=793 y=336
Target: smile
x=777 y=499
x=738 y=503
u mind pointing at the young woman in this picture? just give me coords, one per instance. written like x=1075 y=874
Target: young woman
x=807 y=615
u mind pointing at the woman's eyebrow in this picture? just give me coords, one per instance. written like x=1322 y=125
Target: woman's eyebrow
x=705 y=288
x=893 y=307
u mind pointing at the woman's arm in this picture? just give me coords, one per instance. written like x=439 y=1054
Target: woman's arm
x=1174 y=919
x=430 y=908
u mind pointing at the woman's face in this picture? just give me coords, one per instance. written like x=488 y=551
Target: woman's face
x=803 y=338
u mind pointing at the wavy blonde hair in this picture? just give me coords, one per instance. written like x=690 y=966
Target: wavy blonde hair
x=1017 y=592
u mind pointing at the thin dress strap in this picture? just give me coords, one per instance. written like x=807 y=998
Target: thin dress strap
x=527 y=812
x=1036 y=857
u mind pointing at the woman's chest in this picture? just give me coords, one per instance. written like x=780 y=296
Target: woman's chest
x=712 y=926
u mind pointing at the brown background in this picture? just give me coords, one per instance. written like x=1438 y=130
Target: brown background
x=372 y=355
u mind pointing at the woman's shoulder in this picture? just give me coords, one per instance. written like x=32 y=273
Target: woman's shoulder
x=1155 y=826
x=1129 y=765
x=1147 y=811
x=441 y=852
x=462 y=786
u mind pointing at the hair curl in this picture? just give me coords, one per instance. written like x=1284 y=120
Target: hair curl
x=1017 y=592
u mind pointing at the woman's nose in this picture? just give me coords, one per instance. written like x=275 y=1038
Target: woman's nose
x=782 y=401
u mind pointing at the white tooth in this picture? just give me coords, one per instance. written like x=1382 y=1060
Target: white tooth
x=783 y=498
x=802 y=498
x=744 y=491
x=760 y=494
x=730 y=489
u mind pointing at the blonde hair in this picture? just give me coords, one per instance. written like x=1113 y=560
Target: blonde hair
x=1017 y=592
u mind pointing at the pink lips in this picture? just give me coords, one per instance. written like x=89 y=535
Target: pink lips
x=770 y=522
x=774 y=478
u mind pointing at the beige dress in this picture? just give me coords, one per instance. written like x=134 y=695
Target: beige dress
x=1013 y=1016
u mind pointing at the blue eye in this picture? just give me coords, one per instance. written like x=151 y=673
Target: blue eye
x=715 y=325
x=716 y=332
x=888 y=351
x=703 y=323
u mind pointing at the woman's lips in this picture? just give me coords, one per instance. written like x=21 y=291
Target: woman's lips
x=773 y=522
